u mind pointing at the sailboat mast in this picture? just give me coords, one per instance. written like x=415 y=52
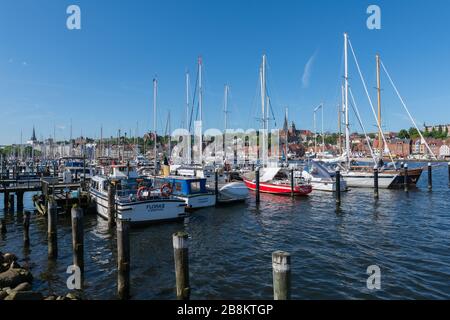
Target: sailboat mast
x=187 y=101
x=347 y=130
x=155 y=95
x=380 y=134
x=200 y=88
x=225 y=108
x=200 y=106
x=263 y=108
x=340 y=110
x=187 y=117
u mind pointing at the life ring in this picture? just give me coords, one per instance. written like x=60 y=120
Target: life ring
x=140 y=192
x=166 y=190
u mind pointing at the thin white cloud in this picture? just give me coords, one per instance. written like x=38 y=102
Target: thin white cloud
x=24 y=63
x=308 y=70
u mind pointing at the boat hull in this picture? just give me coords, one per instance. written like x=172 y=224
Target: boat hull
x=142 y=212
x=198 y=201
x=280 y=189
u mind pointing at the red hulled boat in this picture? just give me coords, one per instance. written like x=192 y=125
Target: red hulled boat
x=277 y=181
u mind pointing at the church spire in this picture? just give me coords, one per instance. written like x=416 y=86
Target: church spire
x=33 y=137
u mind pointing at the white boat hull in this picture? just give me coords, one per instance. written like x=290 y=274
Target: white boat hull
x=329 y=186
x=198 y=201
x=232 y=192
x=365 y=180
x=142 y=212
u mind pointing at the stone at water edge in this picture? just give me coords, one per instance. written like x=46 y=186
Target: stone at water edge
x=13 y=277
x=25 y=286
x=9 y=258
x=24 y=295
x=3 y=294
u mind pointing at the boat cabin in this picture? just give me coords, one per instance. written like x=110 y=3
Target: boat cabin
x=183 y=185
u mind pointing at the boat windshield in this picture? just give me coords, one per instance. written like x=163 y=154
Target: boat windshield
x=318 y=170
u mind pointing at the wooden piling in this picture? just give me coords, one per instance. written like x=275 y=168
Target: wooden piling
x=375 y=183
x=292 y=182
x=78 y=237
x=123 y=259
x=181 y=256
x=6 y=200
x=111 y=204
x=216 y=185
x=338 y=187
x=3 y=229
x=11 y=202
x=257 y=185
x=19 y=201
x=430 y=177
x=405 y=177
x=26 y=229
x=449 y=174
x=51 y=229
x=281 y=265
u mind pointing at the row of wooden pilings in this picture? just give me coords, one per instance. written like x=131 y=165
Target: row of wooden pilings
x=281 y=261
x=403 y=168
x=9 y=201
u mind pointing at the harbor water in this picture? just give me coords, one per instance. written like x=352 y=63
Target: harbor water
x=406 y=234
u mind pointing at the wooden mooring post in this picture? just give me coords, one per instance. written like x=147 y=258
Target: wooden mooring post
x=338 y=187
x=181 y=256
x=19 y=201
x=257 y=184
x=430 y=176
x=123 y=258
x=375 y=182
x=52 y=237
x=281 y=266
x=292 y=182
x=216 y=185
x=405 y=178
x=11 y=203
x=111 y=204
x=448 y=174
x=6 y=200
x=3 y=229
x=78 y=237
x=26 y=229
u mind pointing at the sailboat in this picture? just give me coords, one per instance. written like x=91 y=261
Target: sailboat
x=362 y=176
x=275 y=180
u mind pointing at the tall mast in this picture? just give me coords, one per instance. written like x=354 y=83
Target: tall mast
x=347 y=130
x=323 y=135
x=340 y=110
x=155 y=95
x=101 y=140
x=187 y=101
x=225 y=107
x=380 y=134
x=200 y=106
x=263 y=108
x=189 y=156
x=200 y=88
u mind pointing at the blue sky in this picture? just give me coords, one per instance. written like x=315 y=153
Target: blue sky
x=102 y=74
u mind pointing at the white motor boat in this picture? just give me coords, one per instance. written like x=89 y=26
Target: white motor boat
x=229 y=190
x=135 y=199
x=321 y=179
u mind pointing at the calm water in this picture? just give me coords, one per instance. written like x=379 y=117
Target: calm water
x=406 y=235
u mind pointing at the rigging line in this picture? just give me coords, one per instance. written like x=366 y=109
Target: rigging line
x=371 y=105
x=407 y=111
x=355 y=109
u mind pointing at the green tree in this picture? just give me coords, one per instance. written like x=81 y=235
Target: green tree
x=403 y=134
x=413 y=133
